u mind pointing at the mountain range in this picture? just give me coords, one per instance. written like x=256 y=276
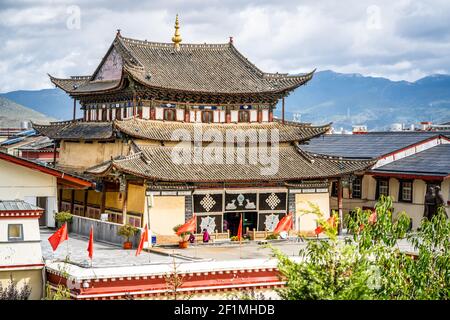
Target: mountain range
x=12 y=114
x=344 y=99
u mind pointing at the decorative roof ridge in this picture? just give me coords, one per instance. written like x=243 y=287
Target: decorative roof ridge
x=72 y=78
x=169 y=45
x=301 y=124
x=245 y=59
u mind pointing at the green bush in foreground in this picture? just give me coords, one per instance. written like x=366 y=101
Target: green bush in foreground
x=369 y=264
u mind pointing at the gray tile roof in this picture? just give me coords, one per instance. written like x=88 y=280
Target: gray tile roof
x=164 y=130
x=366 y=146
x=155 y=162
x=68 y=130
x=17 y=205
x=434 y=161
x=207 y=68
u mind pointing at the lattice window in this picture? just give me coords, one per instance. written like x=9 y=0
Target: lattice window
x=356 y=188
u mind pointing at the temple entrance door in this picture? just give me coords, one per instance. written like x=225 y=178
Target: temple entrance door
x=232 y=219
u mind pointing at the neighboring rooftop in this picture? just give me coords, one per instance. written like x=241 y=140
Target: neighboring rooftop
x=17 y=205
x=434 y=161
x=69 y=130
x=366 y=146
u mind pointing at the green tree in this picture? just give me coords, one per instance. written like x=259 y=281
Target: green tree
x=370 y=264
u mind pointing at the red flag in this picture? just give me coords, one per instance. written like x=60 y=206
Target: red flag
x=90 y=248
x=239 y=233
x=373 y=218
x=189 y=226
x=144 y=238
x=58 y=237
x=318 y=230
x=285 y=224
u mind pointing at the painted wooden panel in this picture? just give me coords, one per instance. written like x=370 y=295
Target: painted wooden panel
x=265 y=115
x=234 y=115
x=111 y=68
x=180 y=115
x=136 y=198
x=253 y=115
x=145 y=112
x=159 y=113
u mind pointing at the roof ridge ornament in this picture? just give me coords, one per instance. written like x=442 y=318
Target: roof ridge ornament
x=176 y=39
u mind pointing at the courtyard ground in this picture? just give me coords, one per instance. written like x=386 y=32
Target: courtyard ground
x=108 y=255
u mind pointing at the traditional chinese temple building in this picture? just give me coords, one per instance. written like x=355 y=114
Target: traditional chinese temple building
x=148 y=102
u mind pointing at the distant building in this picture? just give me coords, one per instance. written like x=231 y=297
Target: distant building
x=29 y=145
x=20 y=246
x=406 y=163
x=359 y=129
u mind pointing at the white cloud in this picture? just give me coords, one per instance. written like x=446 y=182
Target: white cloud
x=401 y=40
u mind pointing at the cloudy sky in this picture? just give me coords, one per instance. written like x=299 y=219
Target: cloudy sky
x=400 y=40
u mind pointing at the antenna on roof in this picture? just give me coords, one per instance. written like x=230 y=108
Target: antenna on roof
x=176 y=39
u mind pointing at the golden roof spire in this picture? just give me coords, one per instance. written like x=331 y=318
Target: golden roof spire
x=176 y=39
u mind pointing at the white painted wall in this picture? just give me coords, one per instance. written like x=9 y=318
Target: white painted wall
x=18 y=182
x=23 y=252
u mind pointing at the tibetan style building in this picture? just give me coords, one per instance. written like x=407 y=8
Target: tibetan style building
x=148 y=101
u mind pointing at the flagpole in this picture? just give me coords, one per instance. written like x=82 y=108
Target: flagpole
x=241 y=226
x=67 y=228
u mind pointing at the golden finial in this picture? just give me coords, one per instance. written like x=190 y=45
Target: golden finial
x=176 y=39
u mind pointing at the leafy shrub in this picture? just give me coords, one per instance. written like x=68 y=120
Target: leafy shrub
x=272 y=236
x=127 y=231
x=63 y=216
x=370 y=264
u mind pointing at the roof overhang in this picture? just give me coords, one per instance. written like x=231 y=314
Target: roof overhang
x=410 y=175
x=63 y=177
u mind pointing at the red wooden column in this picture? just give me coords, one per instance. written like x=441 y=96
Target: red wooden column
x=340 y=212
x=282 y=111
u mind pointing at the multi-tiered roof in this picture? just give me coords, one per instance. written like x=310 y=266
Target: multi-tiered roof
x=198 y=72
x=216 y=75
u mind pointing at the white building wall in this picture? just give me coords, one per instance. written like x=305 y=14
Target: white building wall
x=18 y=182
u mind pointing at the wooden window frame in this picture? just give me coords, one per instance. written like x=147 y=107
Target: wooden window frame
x=401 y=188
x=20 y=238
x=209 y=114
x=172 y=112
x=247 y=115
x=378 y=194
x=360 y=188
x=334 y=189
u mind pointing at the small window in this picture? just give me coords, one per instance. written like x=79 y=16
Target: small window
x=334 y=189
x=207 y=117
x=169 y=114
x=383 y=188
x=356 y=188
x=244 y=116
x=15 y=232
x=134 y=221
x=405 y=191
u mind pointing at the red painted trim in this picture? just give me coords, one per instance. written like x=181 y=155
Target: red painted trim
x=23 y=265
x=46 y=170
x=414 y=145
x=155 y=285
x=406 y=176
